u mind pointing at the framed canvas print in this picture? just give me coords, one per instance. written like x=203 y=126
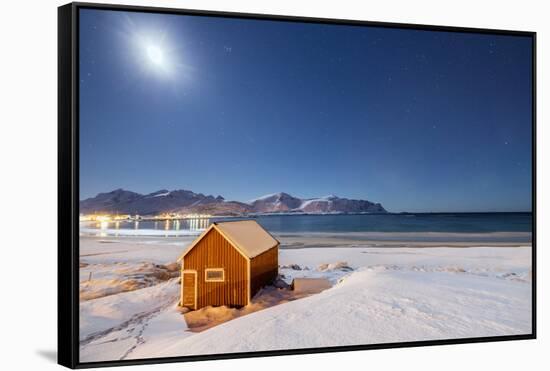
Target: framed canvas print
x=240 y=185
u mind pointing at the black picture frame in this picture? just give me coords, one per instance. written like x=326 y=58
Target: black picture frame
x=68 y=184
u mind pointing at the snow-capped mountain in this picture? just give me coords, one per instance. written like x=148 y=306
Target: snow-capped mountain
x=184 y=201
x=275 y=202
x=283 y=202
x=127 y=202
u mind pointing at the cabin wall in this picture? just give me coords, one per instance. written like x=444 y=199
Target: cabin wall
x=214 y=251
x=264 y=269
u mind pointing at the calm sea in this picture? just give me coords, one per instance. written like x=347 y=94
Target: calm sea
x=410 y=223
x=451 y=223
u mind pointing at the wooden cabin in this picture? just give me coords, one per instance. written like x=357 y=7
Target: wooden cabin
x=228 y=264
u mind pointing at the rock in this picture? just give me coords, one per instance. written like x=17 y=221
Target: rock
x=295 y=267
x=172 y=267
x=343 y=266
x=280 y=283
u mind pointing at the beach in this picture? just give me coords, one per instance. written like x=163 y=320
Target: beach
x=385 y=287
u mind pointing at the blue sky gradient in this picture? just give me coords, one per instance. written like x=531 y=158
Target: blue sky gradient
x=415 y=120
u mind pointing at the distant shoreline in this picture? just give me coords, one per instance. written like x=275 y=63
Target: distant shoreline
x=352 y=239
x=403 y=240
x=300 y=213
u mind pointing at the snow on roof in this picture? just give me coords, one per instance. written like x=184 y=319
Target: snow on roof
x=246 y=235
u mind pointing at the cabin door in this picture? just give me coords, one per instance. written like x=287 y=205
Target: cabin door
x=189 y=289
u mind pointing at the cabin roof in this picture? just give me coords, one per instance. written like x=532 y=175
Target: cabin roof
x=246 y=235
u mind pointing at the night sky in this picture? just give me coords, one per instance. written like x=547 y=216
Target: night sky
x=415 y=120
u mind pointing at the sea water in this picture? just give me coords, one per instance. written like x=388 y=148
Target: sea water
x=417 y=224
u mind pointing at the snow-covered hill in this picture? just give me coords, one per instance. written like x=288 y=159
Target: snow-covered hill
x=386 y=295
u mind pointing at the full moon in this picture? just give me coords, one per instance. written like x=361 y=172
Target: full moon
x=155 y=55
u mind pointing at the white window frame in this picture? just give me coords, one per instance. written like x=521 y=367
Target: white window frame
x=206 y=279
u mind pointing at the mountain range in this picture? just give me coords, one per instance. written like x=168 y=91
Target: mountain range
x=187 y=202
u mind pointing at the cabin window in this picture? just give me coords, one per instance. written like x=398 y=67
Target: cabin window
x=214 y=275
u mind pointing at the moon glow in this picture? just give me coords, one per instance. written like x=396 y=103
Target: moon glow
x=155 y=55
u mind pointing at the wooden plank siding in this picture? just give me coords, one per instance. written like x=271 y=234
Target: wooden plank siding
x=214 y=251
x=263 y=269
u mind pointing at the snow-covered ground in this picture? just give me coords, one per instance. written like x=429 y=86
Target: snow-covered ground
x=381 y=295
